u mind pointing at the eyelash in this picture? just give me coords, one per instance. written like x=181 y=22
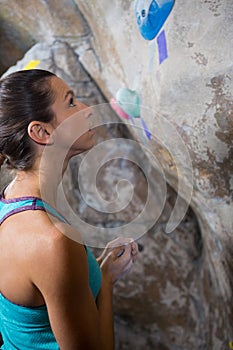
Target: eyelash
x=71 y=102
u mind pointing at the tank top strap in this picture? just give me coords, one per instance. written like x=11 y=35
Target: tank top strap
x=13 y=206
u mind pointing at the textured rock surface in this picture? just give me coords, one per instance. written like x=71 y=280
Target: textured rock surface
x=193 y=90
x=25 y=22
x=178 y=296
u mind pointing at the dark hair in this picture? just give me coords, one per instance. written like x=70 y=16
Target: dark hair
x=24 y=96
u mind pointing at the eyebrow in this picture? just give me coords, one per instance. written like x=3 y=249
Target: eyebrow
x=69 y=92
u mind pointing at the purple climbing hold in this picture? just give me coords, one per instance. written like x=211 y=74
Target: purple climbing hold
x=162 y=46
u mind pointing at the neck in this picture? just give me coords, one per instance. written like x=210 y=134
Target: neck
x=41 y=181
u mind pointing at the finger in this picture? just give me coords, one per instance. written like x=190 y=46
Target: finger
x=122 y=253
x=134 y=247
x=134 y=251
x=127 y=269
x=128 y=266
x=112 y=244
x=118 y=242
x=117 y=252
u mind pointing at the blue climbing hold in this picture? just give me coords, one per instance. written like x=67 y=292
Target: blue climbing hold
x=151 y=16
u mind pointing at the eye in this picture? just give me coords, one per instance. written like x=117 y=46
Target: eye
x=71 y=102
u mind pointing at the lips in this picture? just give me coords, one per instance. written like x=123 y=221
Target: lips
x=88 y=116
x=90 y=126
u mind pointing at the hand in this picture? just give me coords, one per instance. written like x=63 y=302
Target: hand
x=120 y=241
x=118 y=258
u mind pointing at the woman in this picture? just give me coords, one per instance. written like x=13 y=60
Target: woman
x=53 y=293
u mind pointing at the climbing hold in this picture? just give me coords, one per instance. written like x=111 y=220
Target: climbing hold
x=151 y=16
x=119 y=111
x=31 y=64
x=146 y=130
x=162 y=46
x=127 y=106
x=129 y=101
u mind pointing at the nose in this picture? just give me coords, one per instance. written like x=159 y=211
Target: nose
x=88 y=112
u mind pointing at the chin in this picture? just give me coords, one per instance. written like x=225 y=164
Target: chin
x=90 y=143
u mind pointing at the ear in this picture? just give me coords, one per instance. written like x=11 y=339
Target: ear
x=41 y=133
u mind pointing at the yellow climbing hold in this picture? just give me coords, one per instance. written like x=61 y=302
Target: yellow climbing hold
x=31 y=65
x=231 y=344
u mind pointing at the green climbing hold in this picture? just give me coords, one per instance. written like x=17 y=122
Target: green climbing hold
x=129 y=101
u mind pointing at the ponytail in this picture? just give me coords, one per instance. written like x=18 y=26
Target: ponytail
x=2 y=159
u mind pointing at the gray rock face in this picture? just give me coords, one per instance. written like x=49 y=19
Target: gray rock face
x=23 y=23
x=192 y=89
x=179 y=294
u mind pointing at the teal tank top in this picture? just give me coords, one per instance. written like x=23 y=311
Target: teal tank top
x=27 y=328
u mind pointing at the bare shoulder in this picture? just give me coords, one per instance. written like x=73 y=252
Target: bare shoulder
x=42 y=228
x=58 y=255
x=46 y=245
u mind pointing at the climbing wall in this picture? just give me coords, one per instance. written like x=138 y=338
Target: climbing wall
x=182 y=72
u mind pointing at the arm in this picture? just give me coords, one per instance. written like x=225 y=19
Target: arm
x=105 y=308
x=62 y=278
x=115 y=262
x=113 y=268
x=77 y=322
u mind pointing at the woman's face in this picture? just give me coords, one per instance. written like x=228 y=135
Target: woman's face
x=72 y=122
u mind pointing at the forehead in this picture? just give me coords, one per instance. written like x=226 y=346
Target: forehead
x=59 y=87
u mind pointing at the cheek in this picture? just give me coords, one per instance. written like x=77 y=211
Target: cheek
x=72 y=130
